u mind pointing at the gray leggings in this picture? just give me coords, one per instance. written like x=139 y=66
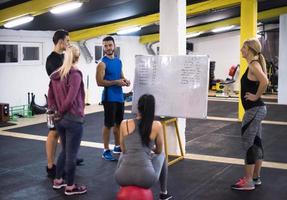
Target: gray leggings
x=251 y=132
x=142 y=174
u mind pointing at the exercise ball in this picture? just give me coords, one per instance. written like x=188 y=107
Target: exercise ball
x=134 y=193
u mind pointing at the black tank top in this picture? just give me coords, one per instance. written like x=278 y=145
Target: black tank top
x=251 y=87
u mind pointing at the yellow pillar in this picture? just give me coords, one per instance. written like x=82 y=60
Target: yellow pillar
x=248 y=29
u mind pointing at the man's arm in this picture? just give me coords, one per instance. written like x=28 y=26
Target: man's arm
x=125 y=80
x=52 y=105
x=122 y=75
x=106 y=83
x=51 y=65
x=48 y=66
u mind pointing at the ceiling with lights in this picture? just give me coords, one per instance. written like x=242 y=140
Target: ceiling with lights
x=104 y=14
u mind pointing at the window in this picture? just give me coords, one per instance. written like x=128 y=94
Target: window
x=30 y=53
x=99 y=53
x=157 y=50
x=8 y=53
x=20 y=53
x=118 y=52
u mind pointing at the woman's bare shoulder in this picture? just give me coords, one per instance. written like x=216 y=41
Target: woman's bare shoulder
x=255 y=66
x=127 y=126
x=157 y=124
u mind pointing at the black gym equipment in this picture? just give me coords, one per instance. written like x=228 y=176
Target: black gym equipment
x=212 y=82
x=36 y=109
x=4 y=112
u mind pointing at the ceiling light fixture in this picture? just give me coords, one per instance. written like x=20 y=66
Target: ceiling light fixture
x=129 y=30
x=194 y=34
x=67 y=7
x=18 y=21
x=221 y=29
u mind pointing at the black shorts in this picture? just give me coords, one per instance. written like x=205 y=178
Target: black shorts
x=114 y=113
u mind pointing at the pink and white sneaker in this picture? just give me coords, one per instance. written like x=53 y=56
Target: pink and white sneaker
x=244 y=184
x=58 y=185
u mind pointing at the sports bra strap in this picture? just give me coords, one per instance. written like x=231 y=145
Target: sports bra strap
x=253 y=61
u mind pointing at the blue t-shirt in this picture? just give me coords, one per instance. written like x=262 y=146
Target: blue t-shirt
x=113 y=71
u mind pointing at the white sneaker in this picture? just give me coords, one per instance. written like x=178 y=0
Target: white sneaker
x=257 y=181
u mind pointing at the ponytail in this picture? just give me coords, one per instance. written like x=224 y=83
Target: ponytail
x=262 y=62
x=71 y=56
x=146 y=108
x=255 y=47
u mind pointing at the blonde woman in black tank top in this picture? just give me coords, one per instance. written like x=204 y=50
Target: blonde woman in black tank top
x=253 y=84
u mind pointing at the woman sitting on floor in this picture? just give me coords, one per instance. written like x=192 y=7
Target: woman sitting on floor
x=139 y=138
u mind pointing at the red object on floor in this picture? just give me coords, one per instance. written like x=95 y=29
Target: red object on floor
x=134 y=193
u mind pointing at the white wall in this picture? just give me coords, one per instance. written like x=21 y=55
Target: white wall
x=223 y=48
x=17 y=80
x=282 y=81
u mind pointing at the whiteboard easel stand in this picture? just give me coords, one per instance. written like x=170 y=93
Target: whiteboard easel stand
x=179 y=157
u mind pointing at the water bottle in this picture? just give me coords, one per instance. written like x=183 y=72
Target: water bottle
x=50 y=118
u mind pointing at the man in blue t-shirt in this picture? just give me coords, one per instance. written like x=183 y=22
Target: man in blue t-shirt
x=110 y=76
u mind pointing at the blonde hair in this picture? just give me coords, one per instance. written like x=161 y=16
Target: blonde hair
x=255 y=48
x=71 y=56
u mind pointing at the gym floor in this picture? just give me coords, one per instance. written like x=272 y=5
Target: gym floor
x=212 y=161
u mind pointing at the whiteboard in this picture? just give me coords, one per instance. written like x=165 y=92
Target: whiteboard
x=178 y=83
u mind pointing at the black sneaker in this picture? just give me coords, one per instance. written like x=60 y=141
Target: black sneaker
x=79 y=161
x=164 y=196
x=51 y=172
x=76 y=190
x=117 y=150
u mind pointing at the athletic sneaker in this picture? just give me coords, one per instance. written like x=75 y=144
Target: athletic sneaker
x=117 y=150
x=243 y=184
x=79 y=161
x=164 y=196
x=107 y=155
x=58 y=186
x=76 y=190
x=51 y=172
x=257 y=181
